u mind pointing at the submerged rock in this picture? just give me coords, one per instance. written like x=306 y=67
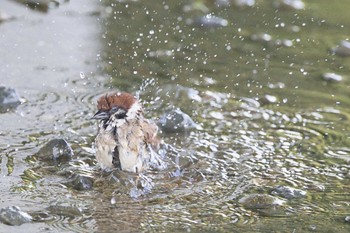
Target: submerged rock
x=14 y=216
x=264 y=204
x=65 y=210
x=8 y=99
x=261 y=37
x=289 y=4
x=5 y=17
x=80 y=182
x=347 y=219
x=260 y=201
x=332 y=77
x=176 y=121
x=40 y=5
x=268 y=99
x=236 y=3
x=209 y=21
x=55 y=151
x=141 y=187
x=342 y=50
x=243 y=3
x=289 y=192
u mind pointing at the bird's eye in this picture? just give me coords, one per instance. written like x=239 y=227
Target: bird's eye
x=119 y=113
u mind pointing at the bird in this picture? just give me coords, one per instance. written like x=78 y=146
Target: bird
x=125 y=138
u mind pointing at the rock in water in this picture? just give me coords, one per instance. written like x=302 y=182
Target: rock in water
x=14 y=216
x=289 y=4
x=56 y=151
x=263 y=204
x=176 y=121
x=332 y=77
x=289 y=192
x=8 y=99
x=342 y=50
x=80 y=182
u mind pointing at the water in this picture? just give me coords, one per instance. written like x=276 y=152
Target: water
x=266 y=116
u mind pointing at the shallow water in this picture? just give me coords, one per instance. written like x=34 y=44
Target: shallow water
x=266 y=116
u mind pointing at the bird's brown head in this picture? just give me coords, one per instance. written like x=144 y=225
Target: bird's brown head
x=117 y=104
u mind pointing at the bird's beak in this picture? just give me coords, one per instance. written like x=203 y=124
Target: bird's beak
x=101 y=115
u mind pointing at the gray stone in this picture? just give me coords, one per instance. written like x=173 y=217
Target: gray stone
x=289 y=192
x=55 y=151
x=258 y=201
x=65 y=210
x=347 y=219
x=342 y=50
x=289 y=4
x=8 y=99
x=268 y=99
x=14 y=216
x=5 y=17
x=176 y=121
x=263 y=204
x=80 y=182
x=332 y=77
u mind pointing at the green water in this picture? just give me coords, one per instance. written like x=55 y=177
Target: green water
x=221 y=76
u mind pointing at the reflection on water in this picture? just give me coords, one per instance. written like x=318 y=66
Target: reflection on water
x=271 y=148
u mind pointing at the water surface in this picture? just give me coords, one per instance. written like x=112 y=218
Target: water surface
x=253 y=84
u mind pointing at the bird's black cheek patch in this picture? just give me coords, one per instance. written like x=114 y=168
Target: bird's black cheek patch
x=115 y=132
x=105 y=124
x=121 y=116
x=118 y=112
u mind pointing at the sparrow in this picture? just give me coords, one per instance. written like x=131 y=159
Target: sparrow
x=125 y=138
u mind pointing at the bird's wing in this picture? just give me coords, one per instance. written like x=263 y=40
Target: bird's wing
x=150 y=133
